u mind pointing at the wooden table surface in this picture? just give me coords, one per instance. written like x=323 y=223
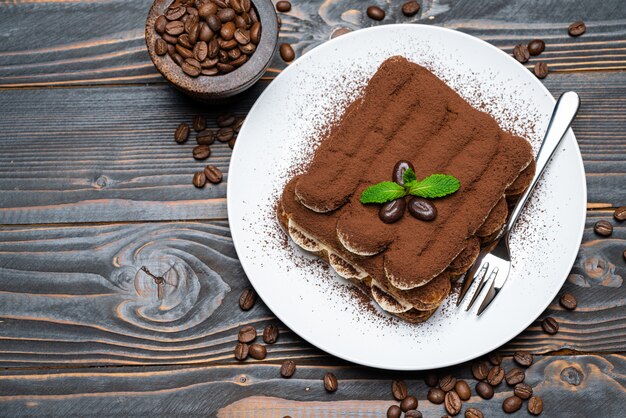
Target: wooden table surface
x=92 y=187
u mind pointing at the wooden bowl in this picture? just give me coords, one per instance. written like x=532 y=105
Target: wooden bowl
x=214 y=88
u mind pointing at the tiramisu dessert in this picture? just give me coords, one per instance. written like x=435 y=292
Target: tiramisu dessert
x=404 y=189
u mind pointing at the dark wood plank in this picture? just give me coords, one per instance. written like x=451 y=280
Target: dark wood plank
x=107 y=154
x=74 y=295
x=569 y=386
x=89 y=43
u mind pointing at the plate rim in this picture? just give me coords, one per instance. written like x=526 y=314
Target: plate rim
x=583 y=216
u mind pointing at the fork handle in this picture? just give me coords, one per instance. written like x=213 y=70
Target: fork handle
x=562 y=117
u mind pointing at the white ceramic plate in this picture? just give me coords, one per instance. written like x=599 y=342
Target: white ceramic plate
x=281 y=131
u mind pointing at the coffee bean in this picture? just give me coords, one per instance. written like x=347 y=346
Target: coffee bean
x=550 y=325
x=258 y=351
x=213 y=48
x=201 y=152
x=484 y=390
x=215 y=24
x=515 y=376
x=447 y=383
x=159 y=24
x=536 y=47
x=227 y=32
x=410 y=8
x=495 y=376
x=283 y=6
x=620 y=214
x=236 y=6
x=413 y=414
x=330 y=382
x=200 y=51
x=226 y=15
x=453 y=403
x=238 y=123
x=436 y=395
x=398 y=389
x=511 y=404
x=568 y=301
x=233 y=54
x=205 y=137
x=394 y=411
x=422 y=209
x=221 y=3
x=339 y=32
x=431 y=380
x=160 y=47
x=199 y=179
x=178 y=59
x=225 y=68
x=287 y=53
x=494 y=358
x=247 y=299
x=375 y=13
x=191 y=67
x=207 y=9
x=603 y=228
x=523 y=358
x=192 y=11
x=184 y=52
x=198 y=123
x=228 y=45
x=523 y=391
x=399 y=170
x=175 y=28
x=241 y=351
x=247 y=334
x=270 y=333
x=288 y=368
x=408 y=403
x=175 y=13
x=191 y=24
x=225 y=134
x=474 y=413
x=182 y=133
x=541 y=69
x=480 y=370
x=204 y=32
x=170 y=39
x=577 y=28
x=535 y=405
x=242 y=36
x=520 y=52
x=463 y=390
x=209 y=63
x=393 y=211
x=231 y=143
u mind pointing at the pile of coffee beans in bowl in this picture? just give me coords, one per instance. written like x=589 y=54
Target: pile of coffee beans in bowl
x=208 y=37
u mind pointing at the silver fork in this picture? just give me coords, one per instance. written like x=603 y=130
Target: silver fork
x=493 y=265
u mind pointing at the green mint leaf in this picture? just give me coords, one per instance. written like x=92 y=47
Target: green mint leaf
x=408 y=176
x=383 y=192
x=437 y=185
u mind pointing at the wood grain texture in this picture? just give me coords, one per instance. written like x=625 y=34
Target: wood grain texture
x=108 y=155
x=90 y=43
x=585 y=384
x=75 y=295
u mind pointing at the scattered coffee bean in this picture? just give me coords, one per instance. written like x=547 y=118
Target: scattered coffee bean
x=474 y=413
x=199 y=123
x=568 y=301
x=205 y=137
x=375 y=13
x=484 y=390
x=511 y=404
x=394 y=411
x=160 y=47
x=201 y=152
x=257 y=351
x=213 y=174
x=431 y=380
x=624 y=255
x=620 y=214
x=515 y=376
x=535 y=405
x=603 y=228
x=330 y=382
x=523 y=391
x=398 y=389
x=495 y=376
x=410 y=8
x=577 y=28
x=422 y=209
x=199 y=179
x=408 y=403
x=521 y=53
x=523 y=358
x=247 y=334
x=414 y=413
x=393 y=211
x=399 y=169
x=270 y=334
x=225 y=120
x=541 y=69
x=283 y=6
x=453 y=403
x=288 y=368
x=182 y=133
x=536 y=47
x=480 y=370
x=241 y=351
x=225 y=134
x=237 y=124
x=550 y=325
x=436 y=395
x=495 y=358
x=286 y=52
x=231 y=143
x=247 y=299
x=463 y=390
x=447 y=383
